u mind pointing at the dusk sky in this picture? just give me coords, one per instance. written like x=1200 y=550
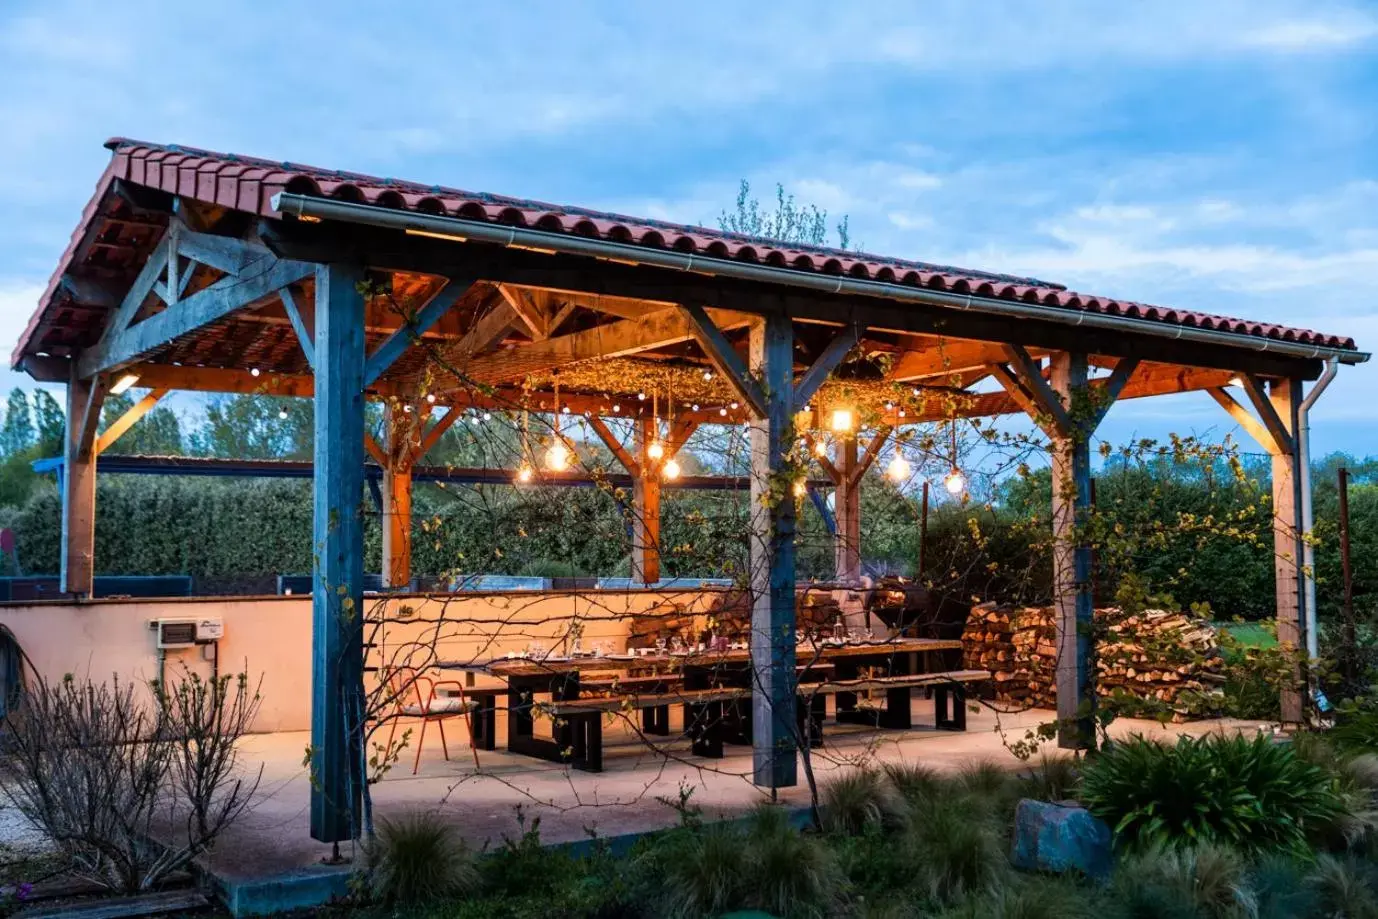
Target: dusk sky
x=1220 y=156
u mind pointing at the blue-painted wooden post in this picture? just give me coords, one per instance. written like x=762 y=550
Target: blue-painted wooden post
x=337 y=588
x=1071 y=463
x=774 y=760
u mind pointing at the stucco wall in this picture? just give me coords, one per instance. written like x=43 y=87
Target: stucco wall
x=271 y=636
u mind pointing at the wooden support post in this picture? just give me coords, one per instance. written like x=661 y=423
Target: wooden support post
x=1071 y=463
x=400 y=453
x=1284 y=400
x=847 y=508
x=337 y=585
x=646 y=505
x=84 y=399
x=772 y=559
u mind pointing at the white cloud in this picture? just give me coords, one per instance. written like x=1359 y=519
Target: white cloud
x=1311 y=35
x=18 y=300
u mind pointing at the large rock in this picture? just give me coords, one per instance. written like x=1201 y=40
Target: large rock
x=1060 y=837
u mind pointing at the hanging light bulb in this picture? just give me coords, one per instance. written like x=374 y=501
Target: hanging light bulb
x=955 y=482
x=430 y=397
x=899 y=469
x=641 y=397
x=524 y=473
x=842 y=420
x=487 y=416
x=723 y=411
x=708 y=374
x=655 y=450
x=282 y=413
x=820 y=449
x=694 y=407
x=800 y=488
x=616 y=408
x=670 y=470
x=736 y=405
x=254 y=371
x=557 y=457
x=406 y=409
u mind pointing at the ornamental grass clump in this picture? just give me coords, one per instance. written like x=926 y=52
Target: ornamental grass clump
x=789 y=873
x=1189 y=882
x=419 y=859
x=1252 y=794
x=862 y=801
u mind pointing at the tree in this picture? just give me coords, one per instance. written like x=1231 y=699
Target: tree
x=789 y=223
x=158 y=433
x=255 y=427
x=50 y=423
x=17 y=432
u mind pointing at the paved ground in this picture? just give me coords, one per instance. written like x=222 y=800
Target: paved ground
x=273 y=838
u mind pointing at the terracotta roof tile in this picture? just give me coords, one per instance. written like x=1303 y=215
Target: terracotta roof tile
x=249 y=184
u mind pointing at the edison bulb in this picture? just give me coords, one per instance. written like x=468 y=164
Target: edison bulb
x=820 y=449
x=656 y=450
x=557 y=457
x=524 y=473
x=800 y=489
x=842 y=420
x=955 y=482
x=899 y=469
x=670 y=470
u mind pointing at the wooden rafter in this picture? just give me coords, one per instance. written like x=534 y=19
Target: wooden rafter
x=873 y=448
x=375 y=450
x=413 y=327
x=942 y=357
x=437 y=430
x=536 y=319
x=301 y=312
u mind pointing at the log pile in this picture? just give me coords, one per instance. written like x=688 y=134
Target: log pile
x=1161 y=658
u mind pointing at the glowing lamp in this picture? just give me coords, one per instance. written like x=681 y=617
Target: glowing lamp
x=655 y=450
x=670 y=470
x=800 y=489
x=524 y=473
x=899 y=469
x=820 y=449
x=842 y=420
x=557 y=457
x=955 y=482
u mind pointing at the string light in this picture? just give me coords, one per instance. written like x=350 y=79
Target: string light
x=670 y=470
x=955 y=482
x=557 y=457
x=487 y=416
x=430 y=397
x=899 y=469
x=282 y=413
x=641 y=397
x=254 y=371
x=694 y=407
x=736 y=405
x=708 y=374
x=406 y=409
x=723 y=412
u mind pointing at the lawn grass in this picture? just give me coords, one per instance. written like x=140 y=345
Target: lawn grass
x=1250 y=634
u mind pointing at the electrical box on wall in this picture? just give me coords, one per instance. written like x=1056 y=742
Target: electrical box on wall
x=187 y=633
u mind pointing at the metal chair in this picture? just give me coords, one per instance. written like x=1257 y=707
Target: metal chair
x=414 y=696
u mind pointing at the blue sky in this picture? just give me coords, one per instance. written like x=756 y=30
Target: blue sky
x=1213 y=155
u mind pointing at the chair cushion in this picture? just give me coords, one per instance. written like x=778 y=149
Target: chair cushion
x=441 y=705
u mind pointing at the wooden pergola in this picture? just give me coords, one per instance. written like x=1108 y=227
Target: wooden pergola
x=192 y=270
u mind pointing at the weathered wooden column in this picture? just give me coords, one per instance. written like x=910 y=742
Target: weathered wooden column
x=1285 y=397
x=847 y=509
x=1071 y=462
x=772 y=558
x=646 y=505
x=337 y=585
x=84 y=400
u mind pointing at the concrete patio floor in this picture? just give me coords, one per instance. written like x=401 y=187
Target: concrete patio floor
x=272 y=839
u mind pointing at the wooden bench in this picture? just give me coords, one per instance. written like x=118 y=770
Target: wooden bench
x=949 y=695
x=703 y=715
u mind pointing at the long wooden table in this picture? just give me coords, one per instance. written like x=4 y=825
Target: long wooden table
x=561 y=677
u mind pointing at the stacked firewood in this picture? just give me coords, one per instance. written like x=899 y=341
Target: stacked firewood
x=1162 y=658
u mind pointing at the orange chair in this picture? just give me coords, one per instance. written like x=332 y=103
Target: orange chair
x=415 y=697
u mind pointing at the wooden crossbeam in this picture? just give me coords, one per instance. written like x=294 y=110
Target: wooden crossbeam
x=135 y=297
x=222 y=253
x=1267 y=413
x=302 y=314
x=680 y=432
x=90 y=292
x=610 y=440
x=628 y=336
x=1248 y=422
x=437 y=430
x=535 y=319
x=1026 y=369
x=873 y=449
x=122 y=424
x=413 y=328
x=949 y=356
x=375 y=450
x=827 y=466
x=826 y=362
x=1111 y=388
x=725 y=358
x=202 y=308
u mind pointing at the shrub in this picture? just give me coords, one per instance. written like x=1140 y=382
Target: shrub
x=1205 y=881
x=1252 y=794
x=1345 y=887
x=861 y=801
x=1282 y=888
x=705 y=877
x=129 y=790
x=956 y=848
x=915 y=783
x=1034 y=898
x=418 y=859
x=1054 y=779
x=789 y=873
